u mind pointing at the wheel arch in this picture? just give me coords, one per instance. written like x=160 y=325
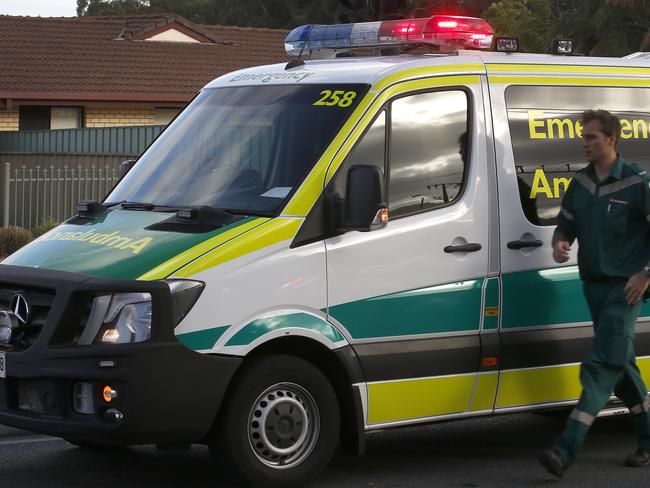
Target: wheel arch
x=340 y=366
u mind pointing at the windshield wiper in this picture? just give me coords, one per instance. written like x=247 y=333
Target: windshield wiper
x=128 y=205
x=137 y=205
x=254 y=213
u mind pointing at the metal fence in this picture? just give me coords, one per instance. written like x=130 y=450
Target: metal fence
x=34 y=195
x=44 y=173
x=123 y=141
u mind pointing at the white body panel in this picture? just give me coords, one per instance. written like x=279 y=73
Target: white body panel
x=246 y=288
x=408 y=253
x=513 y=223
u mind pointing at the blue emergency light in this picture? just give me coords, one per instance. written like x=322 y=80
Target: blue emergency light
x=439 y=30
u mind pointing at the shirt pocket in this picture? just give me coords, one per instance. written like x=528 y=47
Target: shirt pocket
x=617 y=216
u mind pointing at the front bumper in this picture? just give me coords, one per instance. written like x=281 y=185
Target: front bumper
x=166 y=392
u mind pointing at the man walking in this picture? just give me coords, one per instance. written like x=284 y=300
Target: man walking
x=607 y=209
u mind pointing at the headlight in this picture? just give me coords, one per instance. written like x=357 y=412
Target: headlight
x=8 y=323
x=120 y=318
x=123 y=318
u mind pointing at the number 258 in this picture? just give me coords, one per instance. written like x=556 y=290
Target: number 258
x=339 y=98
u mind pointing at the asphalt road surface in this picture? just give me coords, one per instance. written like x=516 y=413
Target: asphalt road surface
x=488 y=452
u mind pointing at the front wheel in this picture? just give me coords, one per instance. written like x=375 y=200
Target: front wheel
x=280 y=426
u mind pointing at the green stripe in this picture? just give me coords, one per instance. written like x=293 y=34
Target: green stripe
x=546 y=297
x=99 y=253
x=543 y=297
x=454 y=307
x=202 y=339
x=258 y=328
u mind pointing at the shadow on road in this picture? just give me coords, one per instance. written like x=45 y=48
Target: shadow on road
x=488 y=452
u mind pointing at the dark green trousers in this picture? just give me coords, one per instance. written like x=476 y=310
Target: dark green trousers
x=609 y=367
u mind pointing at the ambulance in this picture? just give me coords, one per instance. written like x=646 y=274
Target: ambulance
x=319 y=249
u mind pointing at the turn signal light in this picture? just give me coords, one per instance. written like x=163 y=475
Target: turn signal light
x=109 y=394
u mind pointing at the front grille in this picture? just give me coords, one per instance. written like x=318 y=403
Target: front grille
x=40 y=301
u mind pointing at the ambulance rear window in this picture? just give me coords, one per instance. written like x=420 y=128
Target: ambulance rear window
x=546 y=132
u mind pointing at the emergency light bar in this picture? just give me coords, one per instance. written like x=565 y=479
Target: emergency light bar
x=440 y=30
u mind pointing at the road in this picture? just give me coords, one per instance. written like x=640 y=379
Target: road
x=489 y=452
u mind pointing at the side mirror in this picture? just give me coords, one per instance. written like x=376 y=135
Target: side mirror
x=365 y=207
x=125 y=166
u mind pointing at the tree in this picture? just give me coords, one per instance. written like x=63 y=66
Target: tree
x=641 y=23
x=598 y=27
x=111 y=7
x=529 y=20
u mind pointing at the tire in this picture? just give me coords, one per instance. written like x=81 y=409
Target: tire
x=280 y=426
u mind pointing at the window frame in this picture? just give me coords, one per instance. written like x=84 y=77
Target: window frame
x=468 y=146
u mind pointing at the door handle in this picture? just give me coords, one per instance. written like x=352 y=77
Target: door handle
x=524 y=244
x=469 y=247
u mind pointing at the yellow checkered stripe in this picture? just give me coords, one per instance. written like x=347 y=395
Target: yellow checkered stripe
x=424 y=398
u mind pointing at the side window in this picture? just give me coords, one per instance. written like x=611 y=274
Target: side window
x=428 y=149
x=545 y=129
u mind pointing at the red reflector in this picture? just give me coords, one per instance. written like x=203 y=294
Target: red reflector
x=491 y=361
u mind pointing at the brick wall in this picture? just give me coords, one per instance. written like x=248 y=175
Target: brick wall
x=114 y=117
x=8 y=119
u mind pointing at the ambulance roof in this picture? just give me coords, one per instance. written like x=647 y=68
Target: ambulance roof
x=370 y=70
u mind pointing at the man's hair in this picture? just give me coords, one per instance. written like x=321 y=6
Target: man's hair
x=609 y=123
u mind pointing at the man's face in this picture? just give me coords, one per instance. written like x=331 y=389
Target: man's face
x=595 y=144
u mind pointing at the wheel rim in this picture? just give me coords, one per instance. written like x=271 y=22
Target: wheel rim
x=283 y=425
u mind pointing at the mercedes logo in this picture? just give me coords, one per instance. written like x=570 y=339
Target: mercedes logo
x=21 y=308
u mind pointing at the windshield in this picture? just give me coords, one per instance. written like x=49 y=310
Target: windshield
x=242 y=149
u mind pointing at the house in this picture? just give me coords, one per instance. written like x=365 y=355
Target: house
x=74 y=72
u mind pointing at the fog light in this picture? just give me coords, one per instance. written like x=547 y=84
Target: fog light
x=83 y=398
x=109 y=394
x=113 y=415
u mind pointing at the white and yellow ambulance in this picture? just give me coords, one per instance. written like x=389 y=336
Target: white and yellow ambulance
x=316 y=250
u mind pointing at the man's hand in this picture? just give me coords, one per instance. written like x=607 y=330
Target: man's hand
x=636 y=287
x=561 y=250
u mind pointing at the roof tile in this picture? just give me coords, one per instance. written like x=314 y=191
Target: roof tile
x=74 y=57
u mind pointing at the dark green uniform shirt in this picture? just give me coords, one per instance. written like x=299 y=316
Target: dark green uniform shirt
x=610 y=219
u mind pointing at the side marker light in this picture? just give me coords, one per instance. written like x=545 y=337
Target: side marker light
x=381 y=218
x=489 y=361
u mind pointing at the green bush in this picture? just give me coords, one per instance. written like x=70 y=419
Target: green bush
x=12 y=239
x=44 y=226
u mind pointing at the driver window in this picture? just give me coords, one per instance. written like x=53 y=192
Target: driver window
x=428 y=149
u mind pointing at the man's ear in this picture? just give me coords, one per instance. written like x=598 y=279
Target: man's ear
x=612 y=141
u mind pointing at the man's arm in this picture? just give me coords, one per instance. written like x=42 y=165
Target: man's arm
x=564 y=234
x=561 y=247
x=638 y=283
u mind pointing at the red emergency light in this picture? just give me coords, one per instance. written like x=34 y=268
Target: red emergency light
x=440 y=30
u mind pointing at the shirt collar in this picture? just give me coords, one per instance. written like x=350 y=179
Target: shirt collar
x=617 y=170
